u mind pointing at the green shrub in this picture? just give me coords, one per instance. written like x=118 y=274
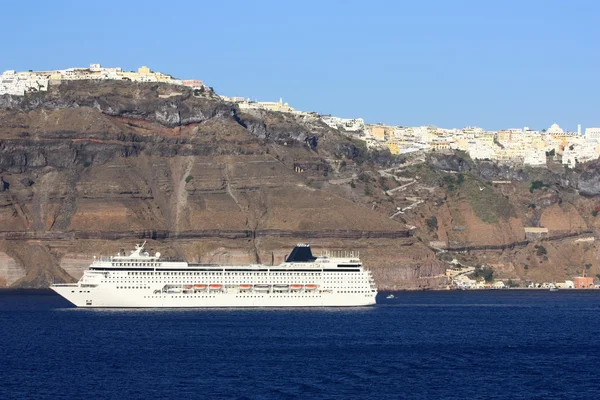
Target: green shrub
x=595 y=213
x=537 y=185
x=531 y=205
x=448 y=180
x=486 y=273
x=432 y=223
x=86 y=164
x=540 y=250
x=512 y=284
x=383 y=183
x=188 y=178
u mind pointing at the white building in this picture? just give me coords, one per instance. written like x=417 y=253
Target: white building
x=592 y=133
x=17 y=84
x=348 y=124
x=558 y=131
x=555 y=130
x=565 y=285
x=499 y=285
x=579 y=153
x=479 y=150
x=535 y=158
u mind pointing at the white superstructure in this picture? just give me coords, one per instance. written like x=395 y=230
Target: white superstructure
x=142 y=280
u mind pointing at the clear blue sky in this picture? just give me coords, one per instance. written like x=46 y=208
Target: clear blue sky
x=451 y=63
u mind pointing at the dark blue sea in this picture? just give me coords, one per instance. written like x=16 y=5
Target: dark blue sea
x=421 y=345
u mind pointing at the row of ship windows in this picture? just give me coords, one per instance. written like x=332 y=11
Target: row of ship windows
x=144 y=264
x=238 y=273
x=133 y=287
x=148 y=287
x=346 y=291
x=341 y=277
x=212 y=297
x=179 y=297
x=338 y=278
x=232 y=281
x=276 y=296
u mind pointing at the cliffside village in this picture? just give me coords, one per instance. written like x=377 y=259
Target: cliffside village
x=523 y=146
x=515 y=146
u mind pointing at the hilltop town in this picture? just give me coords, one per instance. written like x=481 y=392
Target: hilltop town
x=20 y=83
x=516 y=146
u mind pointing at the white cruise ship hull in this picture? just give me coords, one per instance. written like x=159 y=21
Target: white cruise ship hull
x=145 y=298
x=143 y=281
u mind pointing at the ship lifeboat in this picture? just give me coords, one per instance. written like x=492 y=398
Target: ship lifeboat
x=296 y=287
x=187 y=287
x=199 y=287
x=245 y=287
x=262 y=288
x=215 y=287
x=281 y=288
x=310 y=287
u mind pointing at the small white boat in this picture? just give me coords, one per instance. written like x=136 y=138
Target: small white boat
x=390 y=296
x=553 y=289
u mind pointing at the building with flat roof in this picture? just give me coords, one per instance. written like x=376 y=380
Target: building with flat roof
x=583 y=282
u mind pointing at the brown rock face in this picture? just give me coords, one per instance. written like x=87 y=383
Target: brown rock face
x=480 y=217
x=92 y=168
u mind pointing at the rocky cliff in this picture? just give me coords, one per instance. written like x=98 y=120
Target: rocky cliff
x=528 y=224
x=90 y=168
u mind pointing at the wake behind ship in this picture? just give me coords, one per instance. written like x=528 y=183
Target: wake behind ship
x=142 y=280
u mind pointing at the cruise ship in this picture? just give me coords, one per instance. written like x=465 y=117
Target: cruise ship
x=334 y=279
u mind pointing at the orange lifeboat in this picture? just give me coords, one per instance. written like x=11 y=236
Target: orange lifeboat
x=187 y=287
x=310 y=287
x=295 y=287
x=200 y=287
x=245 y=287
x=215 y=287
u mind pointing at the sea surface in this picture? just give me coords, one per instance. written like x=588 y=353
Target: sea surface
x=421 y=345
